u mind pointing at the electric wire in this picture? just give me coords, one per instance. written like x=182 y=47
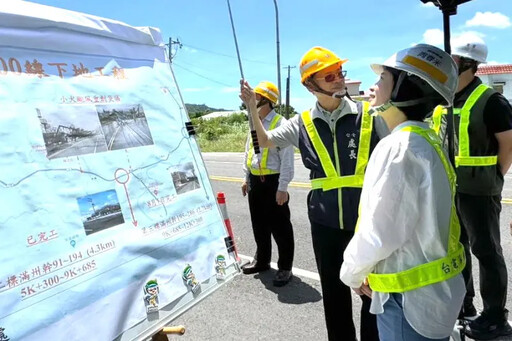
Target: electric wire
x=227 y=55
x=202 y=76
x=254 y=136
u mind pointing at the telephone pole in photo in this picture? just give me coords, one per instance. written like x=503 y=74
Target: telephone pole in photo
x=287 y=111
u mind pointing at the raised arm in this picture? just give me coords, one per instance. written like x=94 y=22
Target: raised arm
x=248 y=96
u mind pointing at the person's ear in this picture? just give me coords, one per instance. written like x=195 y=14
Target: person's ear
x=309 y=86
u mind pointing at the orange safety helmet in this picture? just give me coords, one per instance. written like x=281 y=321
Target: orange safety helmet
x=316 y=59
x=268 y=90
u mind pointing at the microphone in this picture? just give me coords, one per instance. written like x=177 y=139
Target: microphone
x=339 y=94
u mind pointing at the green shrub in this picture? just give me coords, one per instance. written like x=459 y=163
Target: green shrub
x=222 y=134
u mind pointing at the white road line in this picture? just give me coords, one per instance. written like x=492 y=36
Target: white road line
x=301 y=273
x=296 y=271
x=228 y=162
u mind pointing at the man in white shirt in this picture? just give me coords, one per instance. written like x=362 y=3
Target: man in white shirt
x=335 y=139
x=267 y=175
x=407 y=243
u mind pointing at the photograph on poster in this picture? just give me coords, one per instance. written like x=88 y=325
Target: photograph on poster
x=184 y=178
x=71 y=131
x=124 y=126
x=100 y=211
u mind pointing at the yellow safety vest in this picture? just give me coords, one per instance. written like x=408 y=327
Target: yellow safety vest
x=441 y=269
x=464 y=158
x=263 y=170
x=333 y=178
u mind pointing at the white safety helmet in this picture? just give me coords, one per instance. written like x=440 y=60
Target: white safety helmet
x=470 y=46
x=431 y=64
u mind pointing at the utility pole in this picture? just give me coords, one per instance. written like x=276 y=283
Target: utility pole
x=170 y=44
x=278 y=54
x=287 y=112
x=92 y=204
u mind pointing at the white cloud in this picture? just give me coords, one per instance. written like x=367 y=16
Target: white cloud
x=489 y=19
x=111 y=199
x=433 y=36
x=189 y=49
x=230 y=89
x=436 y=37
x=493 y=62
x=428 y=4
x=196 y=89
x=466 y=36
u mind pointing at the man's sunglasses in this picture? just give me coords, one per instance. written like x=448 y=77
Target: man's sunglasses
x=331 y=77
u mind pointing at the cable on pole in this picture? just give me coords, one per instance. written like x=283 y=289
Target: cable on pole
x=254 y=135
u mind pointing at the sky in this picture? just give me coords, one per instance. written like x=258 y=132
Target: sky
x=98 y=199
x=363 y=31
x=84 y=117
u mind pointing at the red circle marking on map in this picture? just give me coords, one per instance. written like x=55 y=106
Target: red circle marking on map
x=118 y=176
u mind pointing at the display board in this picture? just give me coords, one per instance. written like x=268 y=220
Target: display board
x=108 y=222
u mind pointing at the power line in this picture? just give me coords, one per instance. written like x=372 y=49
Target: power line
x=287 y=112
x=199 y=75
x=170 y=44
x=226 y=55
x=183 y=62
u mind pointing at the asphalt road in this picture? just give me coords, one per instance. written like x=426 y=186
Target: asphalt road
x=87 y=145
x=127 y=134
x=249 y=307
x=188 y=186
x=103 y=223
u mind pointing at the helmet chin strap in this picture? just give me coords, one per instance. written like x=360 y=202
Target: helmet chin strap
x=381 y=108
x=261 y=102
x=389 y=103
x=412 y=102
x=338 y=94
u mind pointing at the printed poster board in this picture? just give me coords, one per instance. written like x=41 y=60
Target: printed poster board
x=108 y=222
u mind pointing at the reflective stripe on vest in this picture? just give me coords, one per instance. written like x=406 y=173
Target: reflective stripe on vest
x=441 y=269
x=437 y=117
x=263 y=170
x=333 y=179
x=464 y=158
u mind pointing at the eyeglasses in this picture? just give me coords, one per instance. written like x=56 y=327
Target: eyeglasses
x=331 y=77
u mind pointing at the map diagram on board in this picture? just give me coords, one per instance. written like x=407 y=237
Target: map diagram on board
x=105 y=197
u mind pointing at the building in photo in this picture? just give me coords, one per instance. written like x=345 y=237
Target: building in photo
x=124 y=126
x=499 y=77
x=70 y=131
x=184 y=178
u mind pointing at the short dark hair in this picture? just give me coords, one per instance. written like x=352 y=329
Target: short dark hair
x=467 y=63
x=413 y=87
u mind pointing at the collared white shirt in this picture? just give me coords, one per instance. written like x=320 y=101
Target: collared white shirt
x=345 y=107
x=279 y=159
x=404 y=222
x=288 y=134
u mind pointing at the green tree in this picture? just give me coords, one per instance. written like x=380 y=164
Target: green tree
x=281 y=110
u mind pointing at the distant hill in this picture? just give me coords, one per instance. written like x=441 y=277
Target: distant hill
x=202 y=108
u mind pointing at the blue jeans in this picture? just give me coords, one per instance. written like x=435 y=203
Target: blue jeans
x=393 y=326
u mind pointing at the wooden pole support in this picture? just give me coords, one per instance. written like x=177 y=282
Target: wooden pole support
x=173 y=330
x=162 y=334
